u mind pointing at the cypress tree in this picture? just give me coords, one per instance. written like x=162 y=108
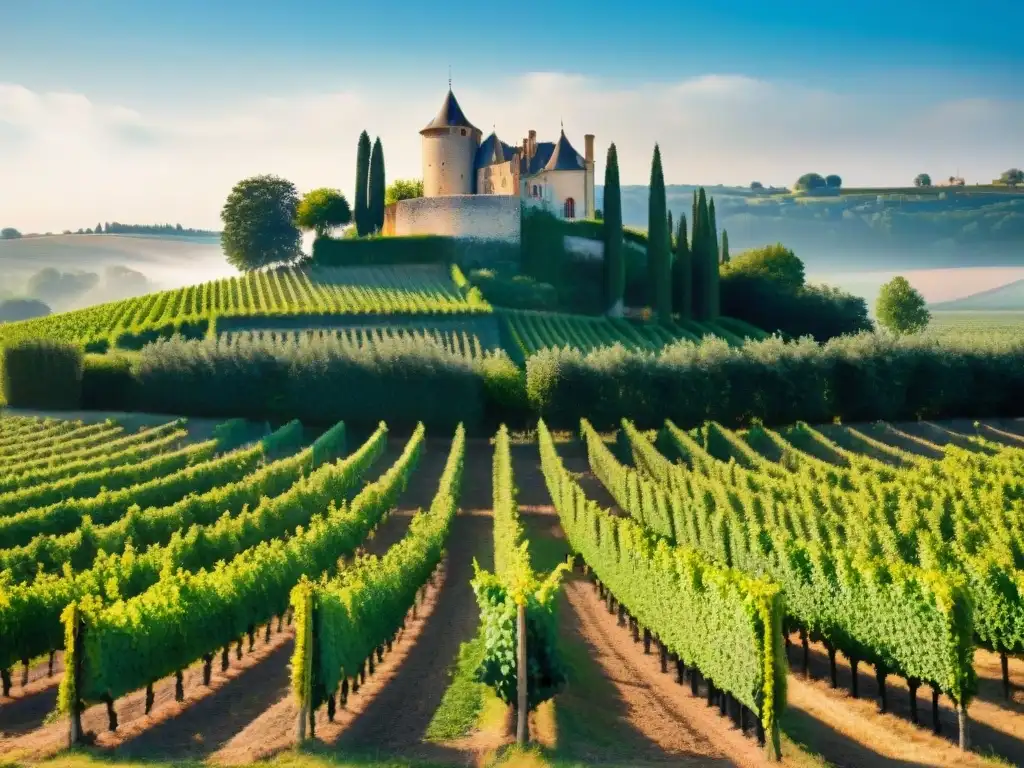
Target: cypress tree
x=671 y=231
x=713 y=226
x=614 y=249
x=360 y=214
x=376 y=186
x=682 y=275
x=725 y=247
x=700 y=258
x=658 y=266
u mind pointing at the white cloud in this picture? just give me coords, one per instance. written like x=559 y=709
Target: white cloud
x=68 y=160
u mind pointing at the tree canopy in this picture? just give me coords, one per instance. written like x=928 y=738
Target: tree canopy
x=403 y=189
x=901 y=308
x=320 y=210
x=834 y=181
x=9 y=233
x=1013 y=177
x=922 y=180
x=772 y=262
x=259 y=223
x=810 y=181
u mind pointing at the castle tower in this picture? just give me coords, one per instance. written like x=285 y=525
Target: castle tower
x=449 y=143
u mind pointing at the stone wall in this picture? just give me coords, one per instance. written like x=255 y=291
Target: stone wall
x=484 y=217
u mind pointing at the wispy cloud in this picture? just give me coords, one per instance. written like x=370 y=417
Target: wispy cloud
x=71 y=159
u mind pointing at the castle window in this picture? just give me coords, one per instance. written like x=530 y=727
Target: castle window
x=570 y=208
x=463 y=131
x=536 y=192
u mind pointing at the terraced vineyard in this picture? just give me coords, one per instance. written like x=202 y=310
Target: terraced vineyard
x=527 y=332
x=313 y=294
x=138 y=573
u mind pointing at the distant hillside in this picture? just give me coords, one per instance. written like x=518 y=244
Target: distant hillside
x=861 y=231
x=1009 y=297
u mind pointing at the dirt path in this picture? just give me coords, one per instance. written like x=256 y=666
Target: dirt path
x=27 y=706
x=617 y=707
x=853 y=732
x=996 y=726
x=391 y=712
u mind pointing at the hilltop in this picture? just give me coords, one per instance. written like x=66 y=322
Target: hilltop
x=1005 y=298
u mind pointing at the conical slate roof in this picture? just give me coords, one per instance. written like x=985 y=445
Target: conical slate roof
x=450 y=116
x=564 y=157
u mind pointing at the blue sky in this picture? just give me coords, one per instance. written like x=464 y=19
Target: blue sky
x=197 y=92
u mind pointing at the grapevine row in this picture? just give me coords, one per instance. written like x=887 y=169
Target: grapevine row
x=225 y=485
x=712 y=618
x=30 y=617
x=117 y=648
x=343 y=621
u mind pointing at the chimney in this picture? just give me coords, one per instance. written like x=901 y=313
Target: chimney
x=533 y=143
x=588 y=152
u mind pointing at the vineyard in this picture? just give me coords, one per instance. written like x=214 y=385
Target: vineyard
x=278 y=293
x=176 y=595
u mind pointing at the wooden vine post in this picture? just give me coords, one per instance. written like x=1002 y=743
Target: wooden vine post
x=522 y=699
x=304 y=656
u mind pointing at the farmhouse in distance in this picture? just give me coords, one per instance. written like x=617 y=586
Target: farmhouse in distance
x=475 y=187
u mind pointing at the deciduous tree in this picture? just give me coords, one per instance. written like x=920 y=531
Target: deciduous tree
x=922 y=180
x=403 y=189
x=259 y=223
x=320 y=210
x=901 y=308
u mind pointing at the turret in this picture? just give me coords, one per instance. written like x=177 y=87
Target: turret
x=450 y=143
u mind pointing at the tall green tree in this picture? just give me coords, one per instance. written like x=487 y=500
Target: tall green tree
x=259 y=223
x=682 y=274
x=659 y=276
x=713 y=226
x=671 y=230
x=376 y=187
x=725 y=248
x=361 y=212
x=711 y=256
x=698 y=256
x=614 y=248
x=403 y=189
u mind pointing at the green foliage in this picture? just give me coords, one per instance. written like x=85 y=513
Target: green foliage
x=320 y=210
x=682 y=274
x=542 y=240
x=658 y=244
x=1012 y=177
x=771 y=262
x=833 y=181
x=411 y=249
x=403 y=189
x=376 y=186
x=901 y=308
x=512 y=584
x=922 y=180
x=514 y=292
x=253 y=568
x=724 y=623
x=861 y=600
x=613 y=262
x=56 y=287
x=725 y=257
x=859 y=378
x=810 y=181
x=41 y=374
x=361 y=213
x=107 y=382
x=9 y=233
x=259 y=223
x=321 y=381
x=343 y=620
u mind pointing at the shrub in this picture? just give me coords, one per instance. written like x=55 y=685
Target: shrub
x=318 y=382
x=42 y=374
x=504 y=385
x=516 y=291
x=771 y=262
x=12 y=310
x=863 y=377
x=378 y=250
x=107 y=383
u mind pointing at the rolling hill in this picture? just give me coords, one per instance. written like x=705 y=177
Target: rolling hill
x=1005 y=298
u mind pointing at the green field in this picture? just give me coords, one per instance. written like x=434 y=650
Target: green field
x=949 y=324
